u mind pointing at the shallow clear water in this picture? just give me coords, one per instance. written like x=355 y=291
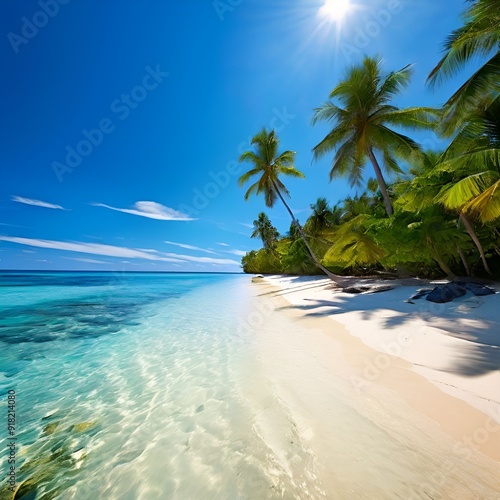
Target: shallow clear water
x=143 y=362
x=146 y=386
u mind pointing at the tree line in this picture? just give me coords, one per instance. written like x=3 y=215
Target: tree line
x=423 y=212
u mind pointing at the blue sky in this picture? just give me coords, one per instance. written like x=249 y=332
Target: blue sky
x=121 y=121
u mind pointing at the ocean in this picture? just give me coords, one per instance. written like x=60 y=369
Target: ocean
x=126 y=384
x=186 y=386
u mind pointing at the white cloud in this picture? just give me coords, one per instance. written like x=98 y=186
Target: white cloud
x=89 y=261
x=114 y=251
x=189 y=247
x=149 y=209
x=15 y=225
x=204 y=260
x=36 y=203
x=150 y=250
x=91 y=248
x=222 y=244
x=240 y=253
x=92 y=237
x=246 y=225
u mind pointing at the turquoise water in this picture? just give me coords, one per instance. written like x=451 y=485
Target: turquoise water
x=194 y=386
x=126 y=384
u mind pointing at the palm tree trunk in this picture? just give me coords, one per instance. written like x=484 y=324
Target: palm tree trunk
x=381 y=181
x=442 y=264
x=338 y=280
x=470 y=230
x=464 y=260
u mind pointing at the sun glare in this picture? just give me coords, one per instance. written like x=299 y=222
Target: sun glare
x=335 y=10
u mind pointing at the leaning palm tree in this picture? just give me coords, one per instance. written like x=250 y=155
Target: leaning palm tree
x=268 y=165
x=479 y=36
x=362 y=119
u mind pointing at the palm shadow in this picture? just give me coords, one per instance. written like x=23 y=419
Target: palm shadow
x=481 y=331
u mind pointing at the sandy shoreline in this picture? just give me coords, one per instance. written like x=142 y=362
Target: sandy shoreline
x=442 y=360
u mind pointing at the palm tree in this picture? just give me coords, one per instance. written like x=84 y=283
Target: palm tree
x=320 y=219
x=474 y=155
x=432 y=184
x=362 y=122
x=293 y=233
x=268 y=164
x=479 y=36
x=264 y=230
x=354 y=245
x=436 y=234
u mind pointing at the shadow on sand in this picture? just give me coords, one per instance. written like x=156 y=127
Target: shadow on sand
x=471 y=319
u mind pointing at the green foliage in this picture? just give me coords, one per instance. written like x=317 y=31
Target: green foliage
x=264 y=230
x=442 y=213
x=366 y=124
x=354 y=245
x=479 y=36
x=268 y=164
x=262 y=261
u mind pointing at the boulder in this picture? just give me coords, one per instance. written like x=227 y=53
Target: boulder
x=420 y=293
x=446 y=293
x=477 y=289
x=367 y=289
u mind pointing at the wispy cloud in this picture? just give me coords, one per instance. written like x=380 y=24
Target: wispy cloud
x=151 y=210
x=189 y=247
x=92 y=237
x=115 y=251
x=36 y=203
x=222 y=244
x=246 y=225
x=14 y=225
x=90 y=248
x=240 y=253
x=297 y=211
x=88 y=261
x=203 y=260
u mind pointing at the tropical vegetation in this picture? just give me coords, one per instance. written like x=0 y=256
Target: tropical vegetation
x=425 y=213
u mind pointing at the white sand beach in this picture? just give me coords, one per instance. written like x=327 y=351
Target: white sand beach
x=426 y=374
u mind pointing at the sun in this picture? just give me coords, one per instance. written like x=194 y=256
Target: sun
x=335 y=10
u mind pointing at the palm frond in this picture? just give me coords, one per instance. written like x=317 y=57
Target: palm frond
x=291 y=171
x=251 y=190
x=414 y=118
x=487 y=204
x=337 y=136
x=354 y=245
x=457 y=195
x=247 y=175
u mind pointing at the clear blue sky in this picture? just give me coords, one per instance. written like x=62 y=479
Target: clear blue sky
x=124 y=119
